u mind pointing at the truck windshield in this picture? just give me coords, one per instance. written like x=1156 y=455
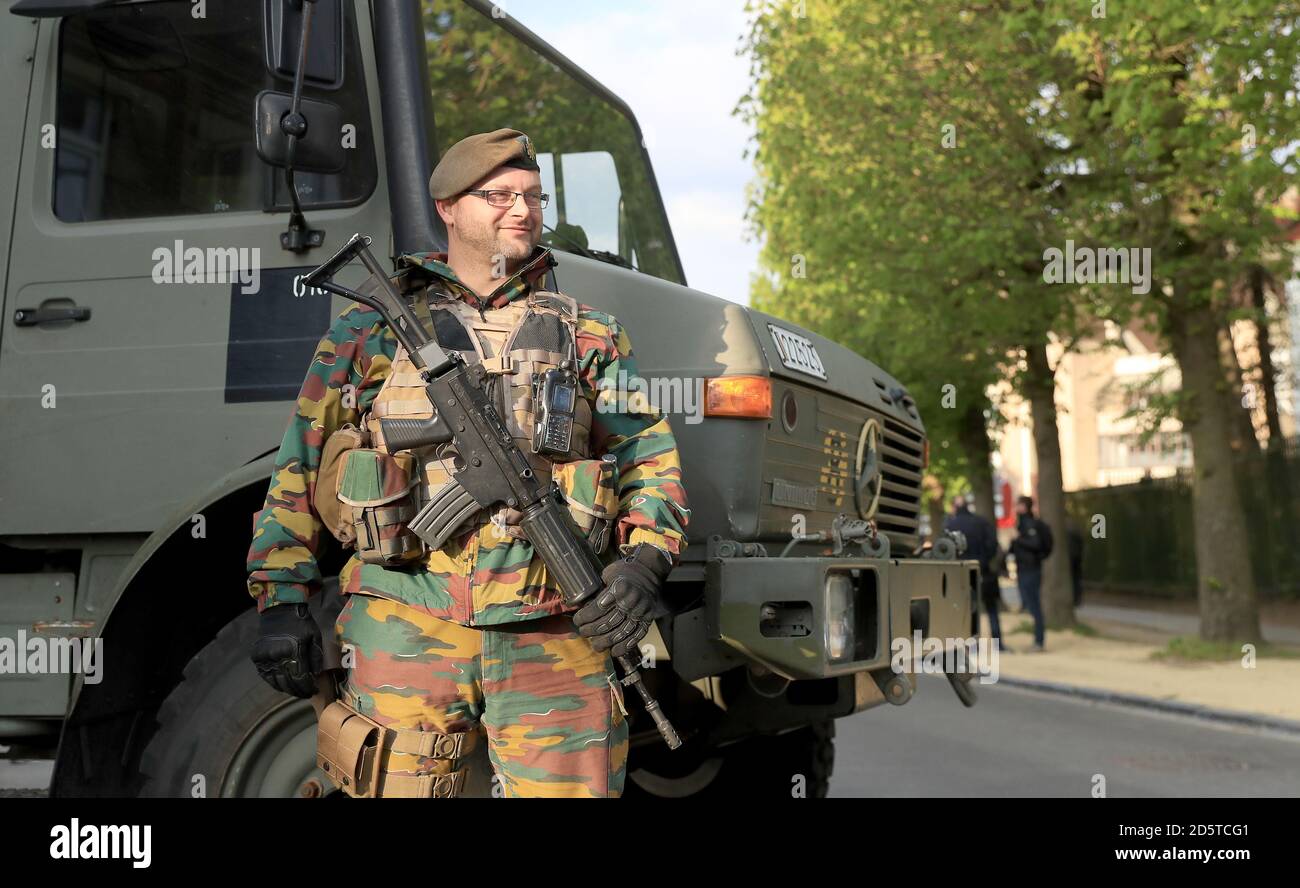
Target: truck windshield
x=602 y=195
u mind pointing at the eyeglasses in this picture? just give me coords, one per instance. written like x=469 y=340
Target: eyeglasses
x=500 y=198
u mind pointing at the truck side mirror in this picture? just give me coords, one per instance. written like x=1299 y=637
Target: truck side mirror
x=283 y=23
x=286 y=134
x=319 y=150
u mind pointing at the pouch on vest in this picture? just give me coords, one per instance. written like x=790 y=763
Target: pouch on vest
x=336 y=515
x=544 y=339
x=590 y=487
x=377 y=487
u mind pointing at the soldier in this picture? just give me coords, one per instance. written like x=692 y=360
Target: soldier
x=473 y=635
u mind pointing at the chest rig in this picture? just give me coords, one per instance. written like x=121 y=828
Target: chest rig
x=517 y=344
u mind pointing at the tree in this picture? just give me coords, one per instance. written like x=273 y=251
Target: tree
x=1189 y=116
x=922 y=159
x=906 y=157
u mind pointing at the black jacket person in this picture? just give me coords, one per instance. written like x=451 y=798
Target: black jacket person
x=1030 y=548
x=981 y=545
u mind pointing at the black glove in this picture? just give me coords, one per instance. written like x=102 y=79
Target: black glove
x=288 y=651
x=618 y=616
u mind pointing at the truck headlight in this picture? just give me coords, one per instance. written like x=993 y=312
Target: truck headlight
x=839 y=617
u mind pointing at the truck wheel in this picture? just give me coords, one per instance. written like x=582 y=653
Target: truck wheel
x=673 y=776
x=757 y=768
x=223 y=731
x=793 y=765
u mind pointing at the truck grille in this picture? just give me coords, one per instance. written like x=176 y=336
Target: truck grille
x=904 y=459
x=809 y=469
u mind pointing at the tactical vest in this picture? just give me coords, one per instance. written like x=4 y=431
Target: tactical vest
x=526 y=337
x=380 y=489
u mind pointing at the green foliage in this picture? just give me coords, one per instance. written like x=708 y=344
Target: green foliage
x=916 y=159
x=1149 y=402
x=898 y=157
x=1187 y=117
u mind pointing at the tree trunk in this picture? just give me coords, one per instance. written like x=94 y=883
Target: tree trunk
x=1241 y=426
x=973 y=434
x=1281 y=514
x=1225 y=577
x=1040 y=386
x=934 y=492
x=1268 y=376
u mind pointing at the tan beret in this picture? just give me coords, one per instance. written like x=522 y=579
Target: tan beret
x=473 y=157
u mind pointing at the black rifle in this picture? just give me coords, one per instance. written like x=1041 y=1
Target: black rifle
x=495 y=470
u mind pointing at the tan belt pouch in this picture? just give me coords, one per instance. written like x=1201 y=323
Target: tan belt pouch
x=347 y=744
x=353 y=751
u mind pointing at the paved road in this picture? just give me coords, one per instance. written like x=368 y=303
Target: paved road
x=1016 y=743
x=22 y=776
x=1024 y=743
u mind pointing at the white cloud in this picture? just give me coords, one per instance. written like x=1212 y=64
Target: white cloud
x=708 y=227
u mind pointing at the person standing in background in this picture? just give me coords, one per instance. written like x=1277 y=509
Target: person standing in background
x=981 y=545
x=1030 y=548
x=1074 y=537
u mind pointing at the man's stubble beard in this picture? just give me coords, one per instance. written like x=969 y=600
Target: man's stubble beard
x=486 y=242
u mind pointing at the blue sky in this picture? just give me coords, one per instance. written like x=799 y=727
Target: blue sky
x=674 y=62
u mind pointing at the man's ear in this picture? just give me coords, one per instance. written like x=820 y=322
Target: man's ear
x=443 y=205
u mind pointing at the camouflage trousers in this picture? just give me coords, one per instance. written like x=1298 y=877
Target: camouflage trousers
x=550 y=706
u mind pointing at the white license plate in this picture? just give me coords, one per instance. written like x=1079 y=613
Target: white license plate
x=797 y=352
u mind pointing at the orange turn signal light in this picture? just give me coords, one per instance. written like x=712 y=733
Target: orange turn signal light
x=748 y=397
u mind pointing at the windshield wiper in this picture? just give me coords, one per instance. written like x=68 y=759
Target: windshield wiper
x=598 y=255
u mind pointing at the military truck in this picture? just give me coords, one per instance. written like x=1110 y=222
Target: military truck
x=156 y=333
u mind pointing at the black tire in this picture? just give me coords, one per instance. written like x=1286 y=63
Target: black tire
x=797 y=764
x=793 y=765
x=207 y=723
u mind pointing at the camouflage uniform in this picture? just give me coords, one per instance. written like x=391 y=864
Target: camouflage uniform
x=541 y=693
x=546 y=701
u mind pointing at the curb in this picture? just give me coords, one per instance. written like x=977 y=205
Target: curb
x=1191 y=710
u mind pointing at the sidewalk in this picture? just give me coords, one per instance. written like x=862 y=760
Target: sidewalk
x=1280 y=620
x=1119 y=659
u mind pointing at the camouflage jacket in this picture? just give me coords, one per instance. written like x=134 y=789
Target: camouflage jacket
x=483 y=576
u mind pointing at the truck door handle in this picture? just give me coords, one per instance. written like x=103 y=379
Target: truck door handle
x=30 y=317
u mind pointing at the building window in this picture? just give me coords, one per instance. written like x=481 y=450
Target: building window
x=1130 y=451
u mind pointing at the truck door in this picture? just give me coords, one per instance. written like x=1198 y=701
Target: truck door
x=152 y=338
x=16 y=45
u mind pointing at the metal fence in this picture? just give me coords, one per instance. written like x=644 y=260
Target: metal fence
x=1149 y=546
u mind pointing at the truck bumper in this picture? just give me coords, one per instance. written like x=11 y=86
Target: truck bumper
x=814 y=618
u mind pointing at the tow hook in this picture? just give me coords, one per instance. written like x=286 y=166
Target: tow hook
x=895 y=686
